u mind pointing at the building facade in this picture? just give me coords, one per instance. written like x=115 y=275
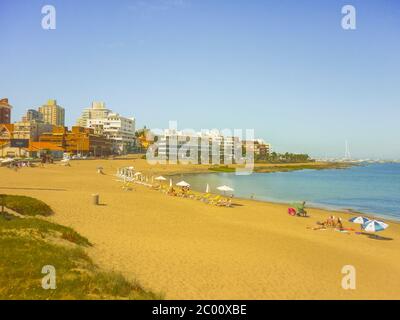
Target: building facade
x=30 y=130
x=5 y=111
x=78 y=141
x=119 y=130
x=98 y=110
x=33 y=115
x=259 y=147
x=203 y=147
x=53 y=113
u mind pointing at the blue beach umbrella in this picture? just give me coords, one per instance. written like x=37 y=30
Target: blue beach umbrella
x=375 y=226
x=359 y=220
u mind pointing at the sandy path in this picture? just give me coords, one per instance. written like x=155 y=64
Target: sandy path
x=189 y=250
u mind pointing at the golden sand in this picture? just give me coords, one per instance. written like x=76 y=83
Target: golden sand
x=190 y=250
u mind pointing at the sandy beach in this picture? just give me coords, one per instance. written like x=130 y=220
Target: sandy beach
x=190 y=250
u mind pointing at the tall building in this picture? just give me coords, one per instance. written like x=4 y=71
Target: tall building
x=5 y=111
x=53 y=113
x=202 y=147
x=32 y=115
x=98 y=110
x=118 y=129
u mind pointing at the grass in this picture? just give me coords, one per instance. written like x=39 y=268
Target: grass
x=27 y=244
x=26 y=205
x=278 y=167
x=222 y=169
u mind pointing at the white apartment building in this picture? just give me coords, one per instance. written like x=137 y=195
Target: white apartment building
x=197 y=147
x=118 y=129
x=98 y=110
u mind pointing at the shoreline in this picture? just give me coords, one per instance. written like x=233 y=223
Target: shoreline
x=322 y=207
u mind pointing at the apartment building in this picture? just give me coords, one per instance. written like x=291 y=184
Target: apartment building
x=5 y=111
x=118 y=129
x=197 y=147
x=53 y=113
x=97 y=110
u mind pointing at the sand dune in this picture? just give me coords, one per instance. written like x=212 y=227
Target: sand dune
x=190 y=250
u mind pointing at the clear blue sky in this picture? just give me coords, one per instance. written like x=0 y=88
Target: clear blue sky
x=285 y=68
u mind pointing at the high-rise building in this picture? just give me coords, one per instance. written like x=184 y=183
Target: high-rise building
x=119 y=130
x=197 y=147
x=53 y=113
x=98 y=110
x=32 y=115
x=5 y=111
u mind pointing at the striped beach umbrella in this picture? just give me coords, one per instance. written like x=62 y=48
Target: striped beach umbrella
x=375 y=226
x=359 y=220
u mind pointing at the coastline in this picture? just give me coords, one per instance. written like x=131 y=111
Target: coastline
x=187 y=249
x=298 y=167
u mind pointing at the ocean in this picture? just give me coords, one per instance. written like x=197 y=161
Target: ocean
x=371 y=188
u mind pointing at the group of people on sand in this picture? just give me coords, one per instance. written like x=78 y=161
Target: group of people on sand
x=331 y=222
x=183 y=193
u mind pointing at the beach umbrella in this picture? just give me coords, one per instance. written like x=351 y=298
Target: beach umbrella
x=207 y=188
x=375 y=226
x=137 y=174
x=183 y=184
x=359 y=220
x=161 y=178
x=225 y=189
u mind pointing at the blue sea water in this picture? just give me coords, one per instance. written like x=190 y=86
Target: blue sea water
x=372 y=188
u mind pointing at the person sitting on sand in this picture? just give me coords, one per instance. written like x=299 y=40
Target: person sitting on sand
x=339 y=224
x=172 y=191
x=301 y=210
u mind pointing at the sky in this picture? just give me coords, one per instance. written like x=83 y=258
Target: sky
x=285 y=68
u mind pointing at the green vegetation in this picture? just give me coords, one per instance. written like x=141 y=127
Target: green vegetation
x=224 y=168
x=301 y=166
x=278 y=167
x=25 y=205
x=287 y=157
x=27 y=244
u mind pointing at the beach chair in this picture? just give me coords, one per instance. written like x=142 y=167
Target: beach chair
x=214 y=200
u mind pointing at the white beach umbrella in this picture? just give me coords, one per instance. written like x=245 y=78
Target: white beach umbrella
x=183 y=184
x=225 y=189
x=137 y=174
x=359 y=220
x=207 y=188
x=161 y=178
x=131 y=168
x=375 y=226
